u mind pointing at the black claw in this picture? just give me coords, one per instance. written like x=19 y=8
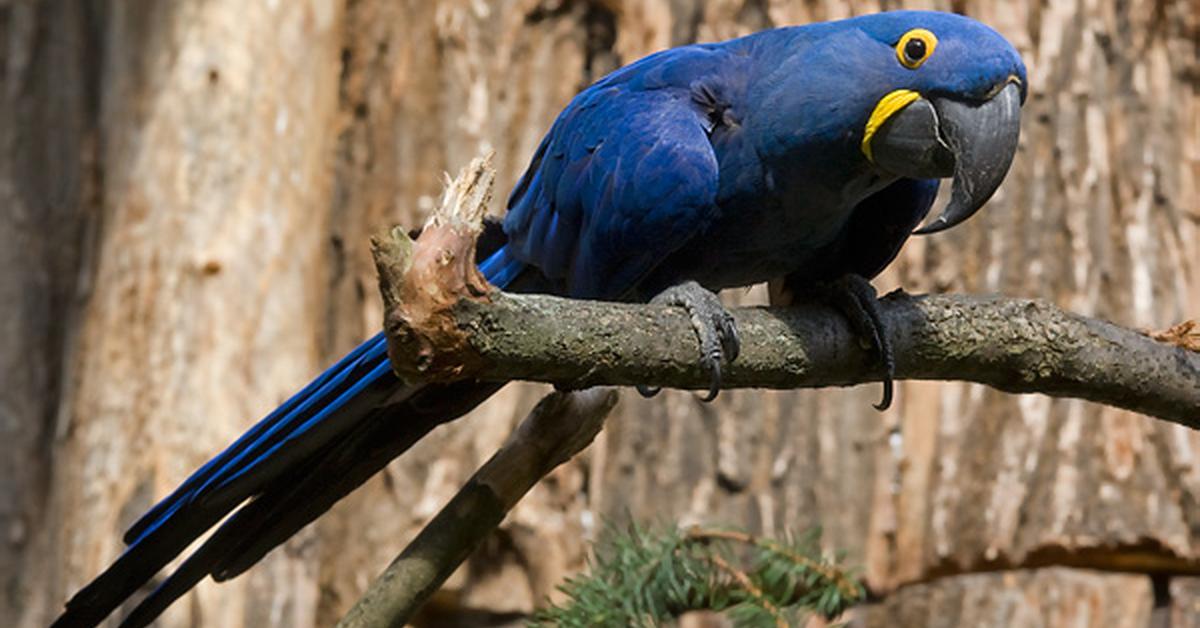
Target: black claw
x=714 y=326
x=859 y=303
x=648 y=391
x=713 y=365
x=886 y=402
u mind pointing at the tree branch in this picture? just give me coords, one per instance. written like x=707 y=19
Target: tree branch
x=560 y=426
x=445 y=323
x=1015 y=345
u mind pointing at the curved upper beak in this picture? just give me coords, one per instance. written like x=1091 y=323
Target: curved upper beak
x=939 y=137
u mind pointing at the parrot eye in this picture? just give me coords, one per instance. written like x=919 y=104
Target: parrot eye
x=914 y=50
x=915 y=47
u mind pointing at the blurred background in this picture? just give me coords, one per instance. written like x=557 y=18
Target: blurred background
x=186 y=192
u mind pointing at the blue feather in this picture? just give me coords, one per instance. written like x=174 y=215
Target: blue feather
x=728 y=163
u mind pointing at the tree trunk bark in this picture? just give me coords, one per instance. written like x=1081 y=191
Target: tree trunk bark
x=1054 y=596
x=48 y=181
x=208 y=284
x=186 y=191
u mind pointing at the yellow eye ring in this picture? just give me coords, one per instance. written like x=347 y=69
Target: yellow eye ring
x=915 y=47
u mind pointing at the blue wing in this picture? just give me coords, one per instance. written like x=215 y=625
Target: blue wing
x=626 y=176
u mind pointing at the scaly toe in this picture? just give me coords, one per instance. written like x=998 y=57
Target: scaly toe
x=731 y=343
x=714 y=327
x=859 y=303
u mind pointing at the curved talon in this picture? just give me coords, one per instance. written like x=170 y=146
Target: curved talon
x=714 y=386
x=884 y=348
x=886 y=402
x=731 y=342
x=648 y=391
x=714 y=326
x=859 y=303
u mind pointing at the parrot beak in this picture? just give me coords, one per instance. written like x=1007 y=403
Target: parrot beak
x=937 y=138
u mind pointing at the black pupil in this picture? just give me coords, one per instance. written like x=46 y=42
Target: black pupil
x=914 y=50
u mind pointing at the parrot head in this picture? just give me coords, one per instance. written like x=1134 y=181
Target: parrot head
x=947 y=95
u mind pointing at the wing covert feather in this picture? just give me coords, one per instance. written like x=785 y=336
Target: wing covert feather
x=625 y=176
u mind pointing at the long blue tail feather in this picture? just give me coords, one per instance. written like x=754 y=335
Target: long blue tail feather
x=380 y=369
x=307 y=491
x=189 y=518
x=293 y=465
x=277 y=420
x=266 y=437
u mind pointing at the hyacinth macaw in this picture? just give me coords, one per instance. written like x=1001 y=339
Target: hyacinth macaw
x=808 y=153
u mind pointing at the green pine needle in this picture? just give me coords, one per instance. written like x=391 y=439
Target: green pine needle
x=640 y=578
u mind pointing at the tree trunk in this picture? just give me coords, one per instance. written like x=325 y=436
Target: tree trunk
x=186 y=189
x=48 y=180
x=207 y=287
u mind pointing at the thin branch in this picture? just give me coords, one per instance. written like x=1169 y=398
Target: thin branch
x=747 y=585
x=561 y=425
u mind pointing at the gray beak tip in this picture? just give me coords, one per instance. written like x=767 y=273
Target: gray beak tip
x=983 y=139
x=937 y=224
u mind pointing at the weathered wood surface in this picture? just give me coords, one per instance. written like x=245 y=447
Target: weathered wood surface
x=1038 y=598
x=205 y=288
x=1184 y=608
x=47 y=187
x=242 y=153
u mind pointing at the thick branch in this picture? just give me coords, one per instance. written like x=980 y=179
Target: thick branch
x=443 y=324
x=1014 y=345
x=561 y=425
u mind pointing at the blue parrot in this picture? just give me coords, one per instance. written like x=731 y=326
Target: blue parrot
x=806 y=153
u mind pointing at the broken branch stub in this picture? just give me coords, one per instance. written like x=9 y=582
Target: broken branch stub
x=422 y=281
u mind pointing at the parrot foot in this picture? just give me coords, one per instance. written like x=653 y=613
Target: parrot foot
x=857 y=300
x=714 y=326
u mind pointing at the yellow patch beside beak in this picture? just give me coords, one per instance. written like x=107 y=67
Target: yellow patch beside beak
x=885 y=109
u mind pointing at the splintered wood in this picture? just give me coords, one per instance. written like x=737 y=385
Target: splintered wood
x=1185 y=335
x=422 y=280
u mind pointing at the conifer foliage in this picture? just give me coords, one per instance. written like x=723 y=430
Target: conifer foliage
x=640 y=577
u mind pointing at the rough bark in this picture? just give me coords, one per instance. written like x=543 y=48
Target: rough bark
x=216 y=121
x=1014 y=345
x=48 y=179
x=1034 y=598
x=426 y=87
x=1184 y=609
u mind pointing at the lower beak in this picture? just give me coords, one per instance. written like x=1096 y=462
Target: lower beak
x=973 y=142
